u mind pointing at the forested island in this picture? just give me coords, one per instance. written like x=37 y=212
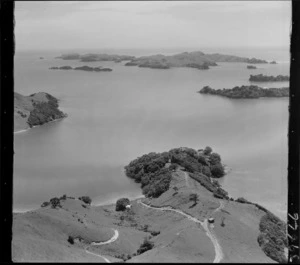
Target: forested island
x=185 y=215
x=36 y=109
x=246 y=92
x=268 y=78
x=198 y=60
x=273 y=62
x=251 y=67
x=83 y=68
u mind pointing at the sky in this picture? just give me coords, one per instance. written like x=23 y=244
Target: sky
x=145 y=24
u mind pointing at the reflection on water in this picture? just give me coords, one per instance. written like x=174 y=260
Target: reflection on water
x=117 y=116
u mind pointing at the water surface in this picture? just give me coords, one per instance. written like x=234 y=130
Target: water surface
x=117 y=116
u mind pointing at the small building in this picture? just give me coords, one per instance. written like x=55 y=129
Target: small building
x=211 y=220
x=128 y=206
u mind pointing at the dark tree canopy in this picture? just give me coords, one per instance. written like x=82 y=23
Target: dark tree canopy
x=86 y=199
x=55 y=202
x=151 y=171
x=207 y=150
x=214 y=159
x=122 y=203
x=217 y=171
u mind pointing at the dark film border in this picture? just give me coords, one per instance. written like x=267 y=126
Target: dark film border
x=293 y=143
x=7 y=101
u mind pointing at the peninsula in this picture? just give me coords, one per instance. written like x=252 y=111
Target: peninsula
x=82 y=68
x=36 y=109
x=246 y=92
x=185 y=215
x=268 y=78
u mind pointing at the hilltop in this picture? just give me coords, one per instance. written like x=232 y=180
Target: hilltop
x=172 y=226
x=36 y=109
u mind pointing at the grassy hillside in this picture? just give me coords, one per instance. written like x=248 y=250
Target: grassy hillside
x=169 y=225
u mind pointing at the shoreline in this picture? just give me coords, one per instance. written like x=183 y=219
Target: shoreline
x=104 y=203
x=25 y=130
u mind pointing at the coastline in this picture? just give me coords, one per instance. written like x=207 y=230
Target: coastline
x=25 y=130
x=104 y=203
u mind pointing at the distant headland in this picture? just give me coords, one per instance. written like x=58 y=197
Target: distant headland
x=83 y=68
x=251 y=67
x=36 y=109
x=246 y=92
x=92 y=57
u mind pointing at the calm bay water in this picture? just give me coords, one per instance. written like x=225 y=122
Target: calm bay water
x=117 y=116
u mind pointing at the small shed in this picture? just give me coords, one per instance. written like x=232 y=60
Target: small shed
x=211 y=220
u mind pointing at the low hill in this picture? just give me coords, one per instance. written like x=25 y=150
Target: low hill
x=187 y=222
x=36 y=109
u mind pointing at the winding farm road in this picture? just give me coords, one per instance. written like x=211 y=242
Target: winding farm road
x=210 y=234
x=113 y=238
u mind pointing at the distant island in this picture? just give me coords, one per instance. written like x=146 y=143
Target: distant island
x=251 y=67
x=185 y=216
x=247 y=92
x=36 y=109
x=41 y=58
x=93 y=57
x=82 y=68
x=273 y=62
x=267 y=78
x=197 y=60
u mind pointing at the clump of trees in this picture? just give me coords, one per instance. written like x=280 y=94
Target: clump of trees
x=122 y=203
x=145 y=246
x=85 y=199
x=45 y=204
x=55 y=202
x=71 y=240
x=273 y=237
x=207 y=150
x=217 y=170
x=150 y=170
x=242 y=200
x=194 y=197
